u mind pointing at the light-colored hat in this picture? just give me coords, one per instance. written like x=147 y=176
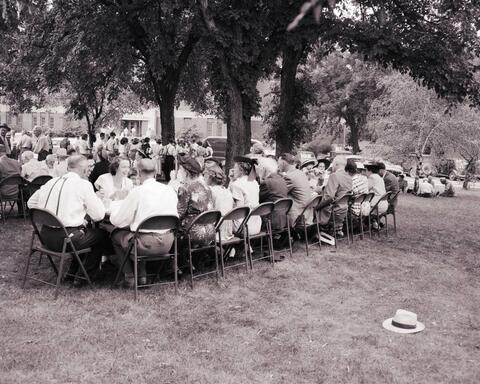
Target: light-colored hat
x=360 y=165
x=403 y=322
x=61 y=153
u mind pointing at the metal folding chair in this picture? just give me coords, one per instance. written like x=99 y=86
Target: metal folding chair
x=264 y=211
x=34 y=185
x=204 y=219
x=10 y=201
x=374 y=214
x=353 y=217
x=153 y=223
x=392 y=209
x=368 y=199
x=240 y=215
x=40 y=218
x=282 y=207
x=301 y=224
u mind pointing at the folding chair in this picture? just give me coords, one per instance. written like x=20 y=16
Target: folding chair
x=40 y=218
x=300 y=222
x=353 y=217
x=282 y=207
x=34 y=185
x=9 y=201
x=239 y=214
x=375 y=215
x=204 y=219
x=264 y=211
x=153 y=223
x=391 y=209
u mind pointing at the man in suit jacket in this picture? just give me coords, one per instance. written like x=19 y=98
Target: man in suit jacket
x=8 y=167
x=339 y=183
x=298 y=187
x=391 y=183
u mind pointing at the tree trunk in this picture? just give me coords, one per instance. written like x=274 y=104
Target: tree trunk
x=236 y=131
x=354 y=139
x=290 y=61
x=247 y=122
x=167 y=116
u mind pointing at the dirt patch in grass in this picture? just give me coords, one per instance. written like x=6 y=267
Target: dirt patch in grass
x=308 y=320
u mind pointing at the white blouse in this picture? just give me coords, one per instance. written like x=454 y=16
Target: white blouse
x=105 y=184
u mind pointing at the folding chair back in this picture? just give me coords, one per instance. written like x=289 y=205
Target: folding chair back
x=392 y=197
x=282 y=206
x=342 y=200
x=41 y=180
x=12 y=180
x=238 y=214
x=206 y=218
x=159 y=223
x=383 y=198
x=369 y=197
x=312 y=205
x=357 y=199
x=262 y=210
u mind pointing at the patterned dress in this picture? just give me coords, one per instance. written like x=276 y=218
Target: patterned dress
x=195 y=198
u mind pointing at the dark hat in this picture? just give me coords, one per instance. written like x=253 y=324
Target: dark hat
x=325 y=161
x=245 y=159
x=190 y=164
x=371 y=166
x=5 y=126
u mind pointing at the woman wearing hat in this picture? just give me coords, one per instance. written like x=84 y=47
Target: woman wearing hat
x=194 y=198
x=245 y=189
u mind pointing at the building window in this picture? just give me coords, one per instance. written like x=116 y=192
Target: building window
x=51 y=122
x=187 y=122
x=219 y=128
x=35 y=119
x=9 y=118
x=20 y=121
x=209 y=127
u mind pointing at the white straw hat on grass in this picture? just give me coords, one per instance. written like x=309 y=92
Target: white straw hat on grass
x=403 y=322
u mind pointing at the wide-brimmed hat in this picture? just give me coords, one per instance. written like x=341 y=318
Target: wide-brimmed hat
x=404 y=322
x=5 y=126
x=190 y=164
x=61 y=153
x=308 y=162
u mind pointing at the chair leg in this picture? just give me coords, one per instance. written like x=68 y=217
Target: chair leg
x=394 y=222
x=270 y=242
x=216 y=261
x=334 y=228
x=370 y=224
x=246 y=243
x=289 y=238
x=135 y=269
x=351 y=226
x=2 y=208
x=124 y=261
x=175 y=264
x=361 y=226
x=59 y=276
x=190 y=261
x=222 y=263
x=348 y=232
x=386 y=226
x=305 y=232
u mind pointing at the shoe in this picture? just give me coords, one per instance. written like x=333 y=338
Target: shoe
x=340 y=234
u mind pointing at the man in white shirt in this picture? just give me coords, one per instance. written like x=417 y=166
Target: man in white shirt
x=112 y=144
x=42 y=146
x=168 y=165
x=25 y=143
x=425 y=189
x=60 y=167
x=31 y=167
x=71 y=198
x=149 y=199
x=82 y=146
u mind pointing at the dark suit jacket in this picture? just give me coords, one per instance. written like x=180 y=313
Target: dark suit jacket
x=9 y=167
x=274 y=187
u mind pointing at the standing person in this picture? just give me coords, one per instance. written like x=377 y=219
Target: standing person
x=200 y=154
x=25 y=143
x=101 y=167
x=71 y=198
x=157 y=150
x=145 y=146
x=60 y=167
x=4 y=129
x=50 y=142
x=65 y=143
x=82 y=146
x=169 y=163
x=142 y=202
x=112 y=144
x=124 y=147
x=402 y=183
x=42 y=145
x=208 y=150
x=8 y=167
x=298 y=187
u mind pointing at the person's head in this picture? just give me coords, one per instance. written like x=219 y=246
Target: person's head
x=243 y=166
x=430 y=179
x=145 y=170
x=132 y=154
x=339 y=163
x=214 y=175
x=85 y=137
x=159 y=141
x=266 y=167
x=443 y=180
x=119 y=167
x=381 y=168
x=102 y=135
x=321 y=167
x=146 y=140
x=27 y=156
x=78 y=164
x=50 y=161
x=112 y=135
x=371 y=169
x=286 y=161
x=37 y=131
x=192 y=169
x=3 y=150
x=401 y=177
x=123 y=141
x=257 y=149
x=351 y=167
x=4 y=129
x=135 y=141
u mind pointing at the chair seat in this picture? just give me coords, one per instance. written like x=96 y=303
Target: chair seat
x=47 y=251
x=259 y=234
x=167 y=256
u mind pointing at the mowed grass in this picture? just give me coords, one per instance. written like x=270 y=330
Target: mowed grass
x=307 y=320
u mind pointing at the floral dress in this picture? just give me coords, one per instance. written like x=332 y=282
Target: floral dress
x=195 y=198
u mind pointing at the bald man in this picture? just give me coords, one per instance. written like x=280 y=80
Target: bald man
x=149 y=199
x=339 y=183
x=71 y=197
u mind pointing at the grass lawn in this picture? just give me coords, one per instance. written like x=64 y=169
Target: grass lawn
x=308 y=320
